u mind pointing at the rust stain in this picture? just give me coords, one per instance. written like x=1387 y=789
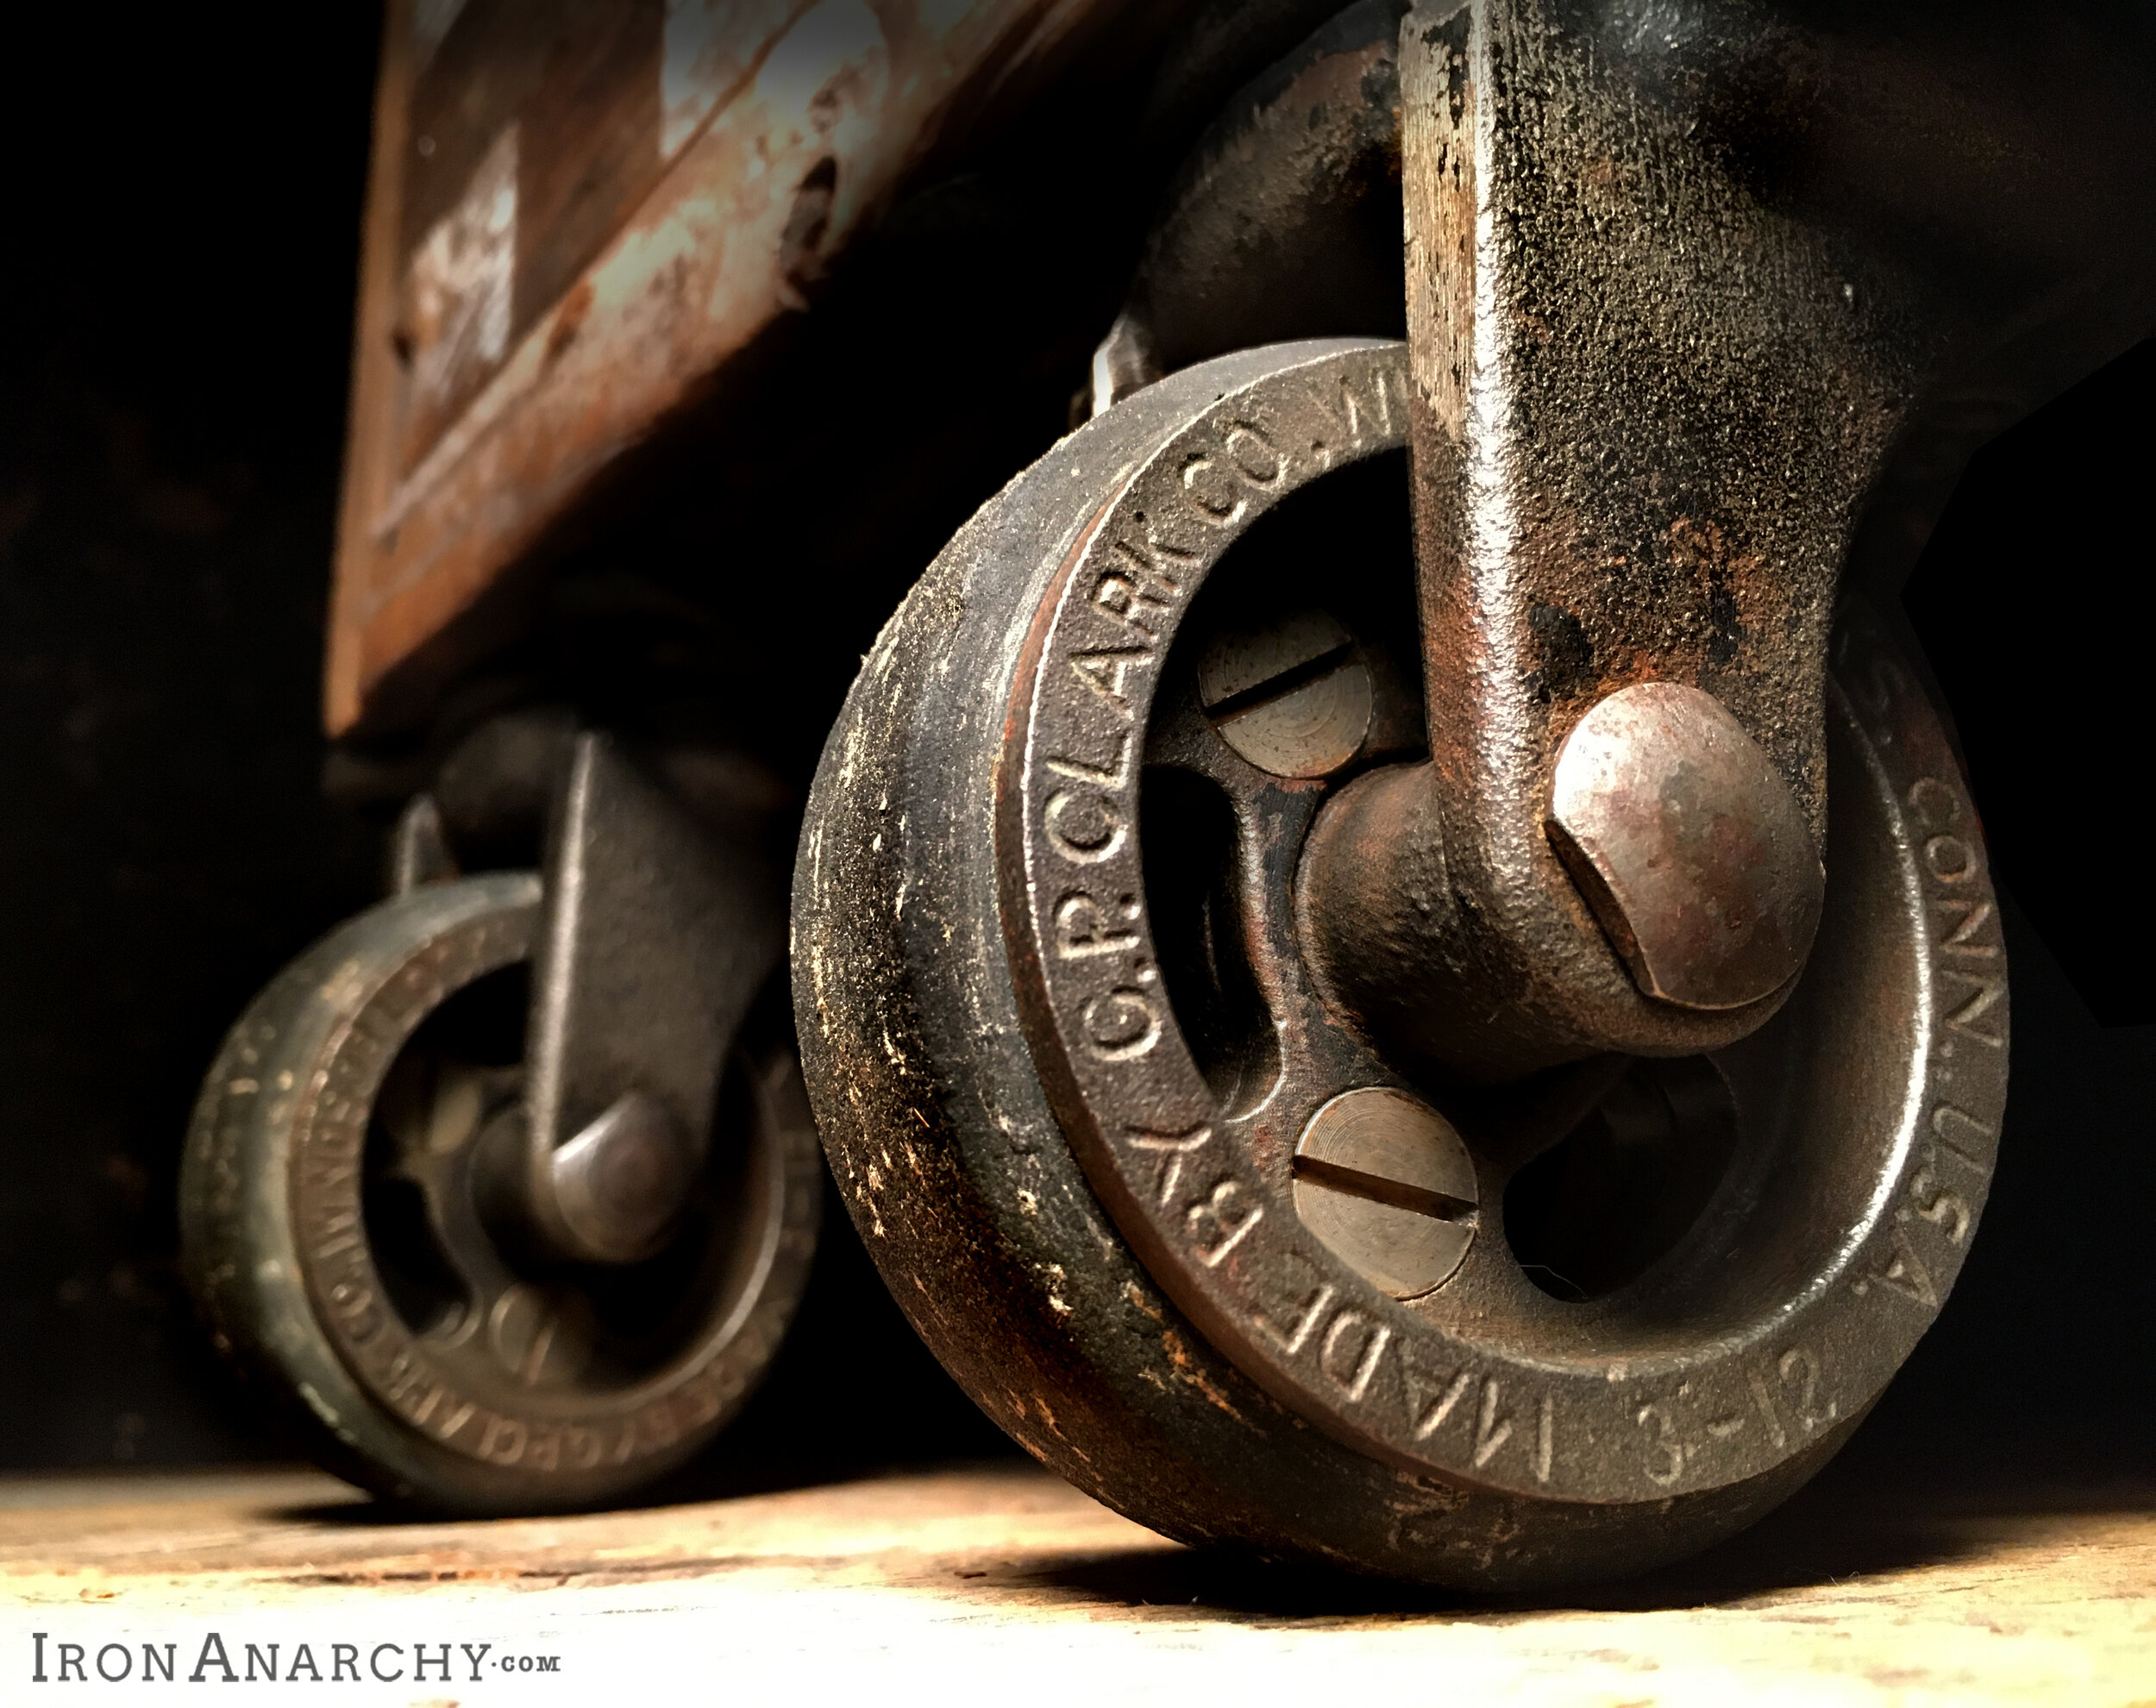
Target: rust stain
x=569 y=318
x=1188 y=1370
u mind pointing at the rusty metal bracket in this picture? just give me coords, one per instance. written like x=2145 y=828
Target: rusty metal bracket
x=1668 y=329
x=652 y=946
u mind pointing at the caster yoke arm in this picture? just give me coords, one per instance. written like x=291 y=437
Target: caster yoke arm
x=652 y=945
x=1681 y=299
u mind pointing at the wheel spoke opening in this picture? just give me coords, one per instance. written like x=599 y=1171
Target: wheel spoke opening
x=1620 y=1192
x=1195 y=900
x=454 y=1076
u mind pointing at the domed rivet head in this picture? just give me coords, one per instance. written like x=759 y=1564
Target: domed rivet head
x=1688 y=846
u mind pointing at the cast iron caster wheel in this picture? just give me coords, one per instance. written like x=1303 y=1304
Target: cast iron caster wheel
x=1170 y=1219
x=339 y=1226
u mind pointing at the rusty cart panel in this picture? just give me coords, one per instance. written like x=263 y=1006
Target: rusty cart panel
x=577 y=214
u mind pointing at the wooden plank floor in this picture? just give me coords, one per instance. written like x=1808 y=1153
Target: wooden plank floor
x=999 y=1580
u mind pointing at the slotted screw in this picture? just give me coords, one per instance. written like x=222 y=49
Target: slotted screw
x=1292 y=696
x=1388 y=1183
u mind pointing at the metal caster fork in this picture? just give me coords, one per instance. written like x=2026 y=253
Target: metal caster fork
x=507 y=1188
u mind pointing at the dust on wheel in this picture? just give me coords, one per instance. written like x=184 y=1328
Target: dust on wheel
x=1185 y=1227
x=343 y=1228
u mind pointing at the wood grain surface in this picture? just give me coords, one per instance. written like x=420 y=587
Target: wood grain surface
x=1000 y=1580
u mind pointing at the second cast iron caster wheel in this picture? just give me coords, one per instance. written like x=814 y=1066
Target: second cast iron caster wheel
x=1166 y=1208
x=348 y=1219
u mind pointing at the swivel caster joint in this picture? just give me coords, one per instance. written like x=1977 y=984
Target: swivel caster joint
x=506 y=1188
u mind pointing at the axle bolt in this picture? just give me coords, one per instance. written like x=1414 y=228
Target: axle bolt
x=1293 y=697
x=1688 y=846
x=1387 y=1182
x=621 y=1182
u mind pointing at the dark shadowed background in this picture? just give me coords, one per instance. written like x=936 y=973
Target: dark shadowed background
x=182 y=192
